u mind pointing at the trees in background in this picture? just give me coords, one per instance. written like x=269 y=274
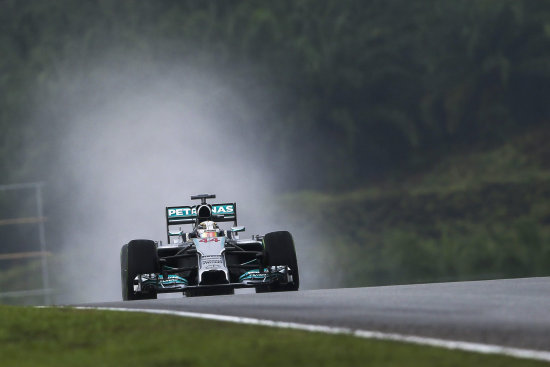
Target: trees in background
x=374 y=86
x=348 y=91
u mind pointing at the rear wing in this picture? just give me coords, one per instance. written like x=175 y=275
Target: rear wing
x=226 y=212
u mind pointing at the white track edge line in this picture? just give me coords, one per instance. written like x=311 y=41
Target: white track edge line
x=368 y=334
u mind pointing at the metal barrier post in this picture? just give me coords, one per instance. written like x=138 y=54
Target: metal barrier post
x=42 y=240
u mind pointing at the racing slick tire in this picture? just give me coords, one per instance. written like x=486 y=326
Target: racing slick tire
x=137 y=257
x=279 y=250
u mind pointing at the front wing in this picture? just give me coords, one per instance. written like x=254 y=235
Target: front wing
x=157 y=283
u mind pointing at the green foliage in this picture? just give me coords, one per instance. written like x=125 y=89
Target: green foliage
x=383 y=84
x=478 y=215
x=362 y=91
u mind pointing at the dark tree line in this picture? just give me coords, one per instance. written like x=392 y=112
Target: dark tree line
x=363 y=88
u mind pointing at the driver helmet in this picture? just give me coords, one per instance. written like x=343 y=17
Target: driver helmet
x=208 y=229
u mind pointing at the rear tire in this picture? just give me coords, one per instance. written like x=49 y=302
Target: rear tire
x=279 y=250
x=137 y=257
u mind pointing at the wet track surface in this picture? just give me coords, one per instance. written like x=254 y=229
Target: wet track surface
x=511 y=312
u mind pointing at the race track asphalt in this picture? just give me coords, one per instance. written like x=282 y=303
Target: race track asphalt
x=509 y=312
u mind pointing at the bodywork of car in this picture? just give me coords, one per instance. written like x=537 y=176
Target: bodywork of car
x=215 y=265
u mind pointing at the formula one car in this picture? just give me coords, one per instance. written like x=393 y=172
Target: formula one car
x=208 y=260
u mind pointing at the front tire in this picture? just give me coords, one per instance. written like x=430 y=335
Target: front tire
x=137 y=257
x=279 y=250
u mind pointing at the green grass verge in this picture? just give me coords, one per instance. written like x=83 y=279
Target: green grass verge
x=482 y=213
x=68 y=337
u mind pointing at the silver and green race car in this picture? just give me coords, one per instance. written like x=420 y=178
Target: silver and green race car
x=207 y=260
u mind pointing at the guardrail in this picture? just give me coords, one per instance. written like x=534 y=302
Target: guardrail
x=28 y=220
x=39 y=220
x=24 y=255
x=27 y=293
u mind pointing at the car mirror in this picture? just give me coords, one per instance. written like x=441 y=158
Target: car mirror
x=237 y=229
